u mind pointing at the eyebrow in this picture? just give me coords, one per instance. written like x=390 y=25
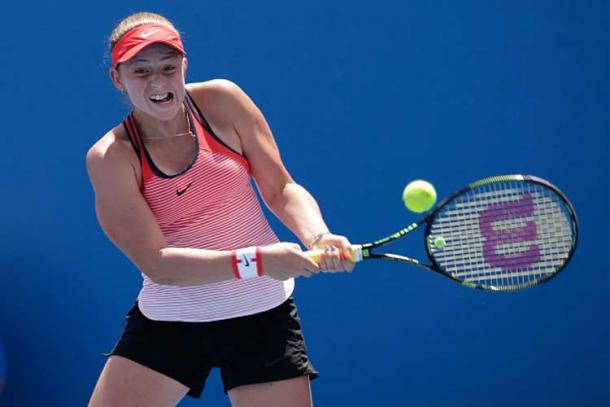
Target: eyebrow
x=169 y=55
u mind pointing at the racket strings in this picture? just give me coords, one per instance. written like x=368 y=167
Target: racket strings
x=504 y=234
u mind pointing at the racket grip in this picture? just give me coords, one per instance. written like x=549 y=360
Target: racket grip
x=354 y=254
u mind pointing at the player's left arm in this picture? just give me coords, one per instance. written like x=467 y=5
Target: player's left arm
x=288 y=200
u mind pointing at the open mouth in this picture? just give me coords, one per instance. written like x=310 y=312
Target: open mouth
x=162 y=97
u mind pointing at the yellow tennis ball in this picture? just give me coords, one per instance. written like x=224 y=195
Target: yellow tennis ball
x=419 y=196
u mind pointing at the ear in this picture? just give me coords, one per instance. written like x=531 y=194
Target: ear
x=116 y=79
x=185 y=66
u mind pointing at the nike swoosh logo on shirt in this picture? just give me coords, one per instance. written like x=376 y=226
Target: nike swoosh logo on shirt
x=180 y=192
x=246 y=261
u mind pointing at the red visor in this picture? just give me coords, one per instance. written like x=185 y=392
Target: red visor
x=140 y=37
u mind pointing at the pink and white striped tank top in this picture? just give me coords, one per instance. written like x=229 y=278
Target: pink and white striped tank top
x=209 y=205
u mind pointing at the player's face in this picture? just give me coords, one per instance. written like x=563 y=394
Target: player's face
x=154 y=81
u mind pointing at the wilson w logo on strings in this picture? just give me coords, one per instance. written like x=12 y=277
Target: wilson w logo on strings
x=514 y=233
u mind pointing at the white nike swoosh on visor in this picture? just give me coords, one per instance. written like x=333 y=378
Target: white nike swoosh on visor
x=149 y=33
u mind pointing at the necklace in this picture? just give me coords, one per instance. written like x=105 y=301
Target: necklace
x=188 y=133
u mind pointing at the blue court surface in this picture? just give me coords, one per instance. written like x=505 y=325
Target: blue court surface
x=362 y=97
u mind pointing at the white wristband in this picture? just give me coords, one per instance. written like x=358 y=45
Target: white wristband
x=247 y=262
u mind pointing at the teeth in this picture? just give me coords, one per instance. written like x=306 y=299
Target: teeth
x=159 y=97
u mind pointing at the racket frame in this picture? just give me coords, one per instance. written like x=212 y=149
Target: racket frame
x=365 y=251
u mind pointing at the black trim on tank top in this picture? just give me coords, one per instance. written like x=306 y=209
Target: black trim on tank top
x=131 y=139
x=150 y=161
x=202 y=120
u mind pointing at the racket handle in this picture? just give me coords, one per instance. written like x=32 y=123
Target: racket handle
x=354 y=254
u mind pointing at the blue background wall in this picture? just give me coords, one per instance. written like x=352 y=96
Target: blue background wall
x=362 y=97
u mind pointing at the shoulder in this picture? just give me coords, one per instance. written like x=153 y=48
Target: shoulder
x=220 y=95
x=228 y=109
x=111 y=154
x=214 y=89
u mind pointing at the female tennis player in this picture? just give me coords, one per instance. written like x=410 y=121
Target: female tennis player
x=173 y=192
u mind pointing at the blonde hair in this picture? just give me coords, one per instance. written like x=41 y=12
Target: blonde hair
x=136 y=20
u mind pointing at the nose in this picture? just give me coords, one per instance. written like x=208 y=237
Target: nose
x=157 y=80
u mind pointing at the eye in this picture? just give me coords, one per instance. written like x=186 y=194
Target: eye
x=140 y=71
x=169 y=69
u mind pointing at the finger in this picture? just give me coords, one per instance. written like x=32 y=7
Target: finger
x=346 y=250
x=344 y=260
x=332 y=259
x=295 y=246
x=341 y=259
x=335 y=258
x=344 y=244
x=324 y=261
x=310 y=264
x=347 y=264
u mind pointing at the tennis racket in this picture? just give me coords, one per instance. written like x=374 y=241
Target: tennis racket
x=501 y=233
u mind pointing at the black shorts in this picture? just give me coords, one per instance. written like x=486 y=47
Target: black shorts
x=253 y=349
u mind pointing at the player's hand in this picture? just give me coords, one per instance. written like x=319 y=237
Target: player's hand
x=282 y=261
x=336 y=255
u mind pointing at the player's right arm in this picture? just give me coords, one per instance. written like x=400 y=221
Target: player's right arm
x=129 y=223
